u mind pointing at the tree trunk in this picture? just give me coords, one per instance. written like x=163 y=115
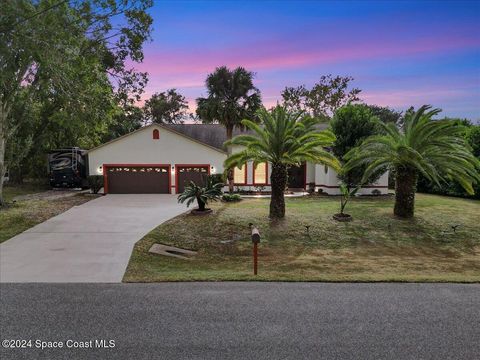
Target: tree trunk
x=229 y=152
x=201 y=204
x=3 y=135
x=405 y=187
x=279 y=182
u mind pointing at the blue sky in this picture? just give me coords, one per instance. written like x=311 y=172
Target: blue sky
x=400 y=53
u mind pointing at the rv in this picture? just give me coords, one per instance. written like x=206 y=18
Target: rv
x=68 y=168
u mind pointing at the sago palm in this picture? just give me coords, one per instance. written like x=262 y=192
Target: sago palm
x=283 y=139
x=434 y=148
x=202 y=194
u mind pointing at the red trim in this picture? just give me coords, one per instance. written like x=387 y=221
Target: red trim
x=105 y=181
x=106 y=166
x=178 y=166
x=155 y=134
x=246 y=171
x=363 y=187
x=266 y=174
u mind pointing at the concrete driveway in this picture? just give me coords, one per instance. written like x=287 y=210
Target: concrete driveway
x=88 y=243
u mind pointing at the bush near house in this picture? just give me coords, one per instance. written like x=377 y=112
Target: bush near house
x=231 y=197
x=453 y=188
x=95 y=183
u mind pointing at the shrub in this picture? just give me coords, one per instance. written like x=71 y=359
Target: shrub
x=231 y=197
x=217 y=178
x=95 y=183
x=351 y=125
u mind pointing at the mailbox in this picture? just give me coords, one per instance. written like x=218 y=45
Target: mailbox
x=255 y=235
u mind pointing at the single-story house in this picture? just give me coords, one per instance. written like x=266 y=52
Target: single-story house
x=163 y=158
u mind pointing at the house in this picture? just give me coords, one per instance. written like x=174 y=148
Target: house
x=163 y=158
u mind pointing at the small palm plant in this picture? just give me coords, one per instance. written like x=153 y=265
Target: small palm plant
x=435 y=148
x=210 y=192
x=283 y=139
x=346 y=195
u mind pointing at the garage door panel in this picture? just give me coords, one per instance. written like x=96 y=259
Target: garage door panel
x=185 y=174
x=138 y=179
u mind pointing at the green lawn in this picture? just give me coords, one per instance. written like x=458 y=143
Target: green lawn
x=18 y=217
x=374 y=247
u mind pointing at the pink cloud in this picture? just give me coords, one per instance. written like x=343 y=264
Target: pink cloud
x=276 y=55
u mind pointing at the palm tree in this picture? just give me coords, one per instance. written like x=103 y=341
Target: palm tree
x=232 y=97
x=209 y=192
x=434 y=148
x=283 y=139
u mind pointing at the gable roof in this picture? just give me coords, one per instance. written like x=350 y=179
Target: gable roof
x=160 y=127
x=210 y=135
x=213 y=134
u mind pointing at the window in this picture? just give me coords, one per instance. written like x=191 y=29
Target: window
x=156 y=134
x=260 y=173
x=240 y=175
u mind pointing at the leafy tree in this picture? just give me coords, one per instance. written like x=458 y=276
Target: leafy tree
x=210 y=192
x=452 y=187
x=386 y=114
x=73 y=51
x=324 y=98
x=124 y=120
x=351 y=124
x=473 y=138
x=231 y=98
x=167 y=107
x=283 y=139
x=434 y=148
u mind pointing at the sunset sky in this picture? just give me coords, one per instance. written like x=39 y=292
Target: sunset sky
x=400 y=53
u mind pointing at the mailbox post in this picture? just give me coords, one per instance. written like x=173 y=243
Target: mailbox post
x=255 y=241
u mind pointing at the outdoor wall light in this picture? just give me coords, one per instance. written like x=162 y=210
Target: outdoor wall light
x=213 y=170
x=100 y=170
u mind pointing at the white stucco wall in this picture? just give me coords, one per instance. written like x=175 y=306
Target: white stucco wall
x=310 y=176
x=140 y=148
x=329 y=183
x=175 y=149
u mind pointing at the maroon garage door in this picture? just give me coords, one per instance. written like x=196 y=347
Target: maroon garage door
x=138 y=179
x=186 y=173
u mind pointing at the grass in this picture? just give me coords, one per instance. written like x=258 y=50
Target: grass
x=11 y=191
x=22 y=215
x=374 y=247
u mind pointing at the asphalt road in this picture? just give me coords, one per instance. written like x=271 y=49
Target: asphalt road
x=244 y=320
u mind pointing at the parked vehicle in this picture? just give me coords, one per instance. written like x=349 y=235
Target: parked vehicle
x=68 y=168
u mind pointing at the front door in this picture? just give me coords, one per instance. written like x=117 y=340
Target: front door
x=296 y=177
